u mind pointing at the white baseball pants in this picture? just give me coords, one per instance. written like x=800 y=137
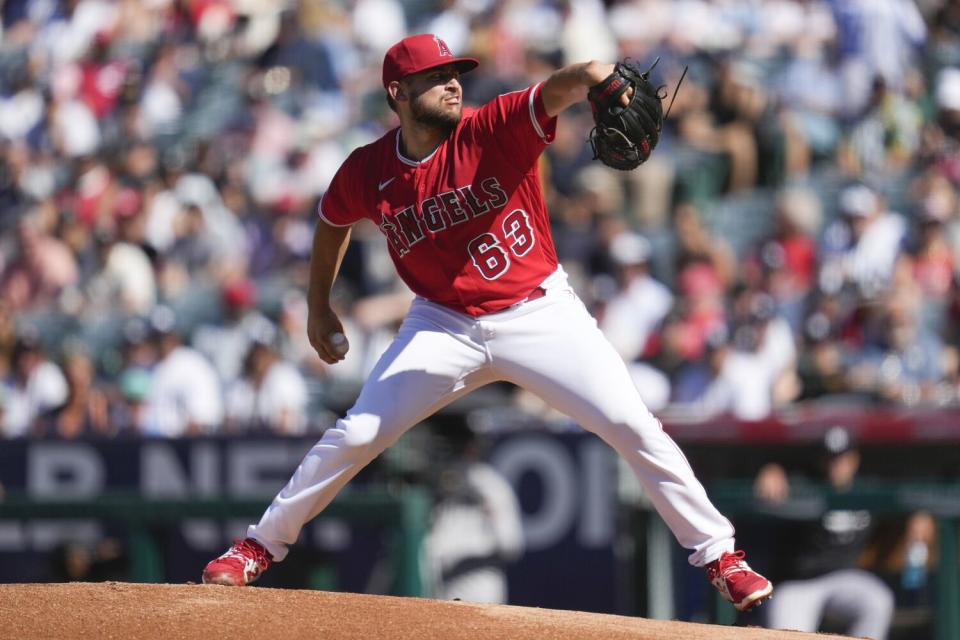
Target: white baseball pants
x=550 y=346
x=860 y=599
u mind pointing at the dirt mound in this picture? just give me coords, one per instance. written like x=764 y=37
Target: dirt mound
x=165 y=611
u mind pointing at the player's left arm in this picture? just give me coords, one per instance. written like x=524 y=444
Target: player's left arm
x=569 y=85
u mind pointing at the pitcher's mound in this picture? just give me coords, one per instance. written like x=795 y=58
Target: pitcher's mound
x=166 y=611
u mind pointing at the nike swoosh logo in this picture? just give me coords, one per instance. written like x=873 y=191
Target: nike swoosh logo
x=383 y=185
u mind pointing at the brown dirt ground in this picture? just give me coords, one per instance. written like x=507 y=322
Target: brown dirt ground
x=168 y=611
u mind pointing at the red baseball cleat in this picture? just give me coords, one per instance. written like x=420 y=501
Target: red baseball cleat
x=239 y=566
x=737 y=582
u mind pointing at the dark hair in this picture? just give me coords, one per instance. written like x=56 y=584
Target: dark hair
x=391 y=102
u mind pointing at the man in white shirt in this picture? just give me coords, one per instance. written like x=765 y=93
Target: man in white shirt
x=185 y=398
x=641 y=303
x=634 y=313
x=865 y=244
x=271 y=394
x=38 y=385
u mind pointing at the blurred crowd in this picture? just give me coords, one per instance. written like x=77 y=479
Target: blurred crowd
x=161 y=161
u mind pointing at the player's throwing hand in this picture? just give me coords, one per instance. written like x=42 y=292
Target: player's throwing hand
x=326 y=335
x=339 y=343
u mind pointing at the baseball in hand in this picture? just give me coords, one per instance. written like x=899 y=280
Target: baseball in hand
x=339 y=343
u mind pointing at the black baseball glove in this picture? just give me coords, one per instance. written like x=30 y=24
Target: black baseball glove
x=624 y=137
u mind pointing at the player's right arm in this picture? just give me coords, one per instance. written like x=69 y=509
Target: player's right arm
x=329 y=244
x=339 y=208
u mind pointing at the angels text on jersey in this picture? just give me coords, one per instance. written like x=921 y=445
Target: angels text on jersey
x=436 y=214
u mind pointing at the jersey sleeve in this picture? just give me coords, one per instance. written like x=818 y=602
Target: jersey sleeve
x=340 y=205
x=518 y=121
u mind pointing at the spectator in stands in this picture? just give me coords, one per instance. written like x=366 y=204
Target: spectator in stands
x=822 y=365
x=819 y=573
x=929 y=259
x=943 y=46
x=941 y=140
x=226 y=342
x=641 y=302
x=575 y=223
x=207 y=239
x=8 y=340
x=138 y=350
x=311 y=62
x=139 y=356
x=634 y=313
x=697 y=245
x=816 y=116
x=886 y=137
x=699 y=310
x=694 y=376
x=22 y=110
x=37 y=385
x=862 y=249
x=741 y=124
x=876 y=38
x=271 y=395
x=164 y=93
x=128 y=408
x=766 y=334
x=85 y=412
x=126 y=283
x=785 y=263
x=185 y=394
x=902 y=361
x=44 y=265
x=192 y=249
x=760 y=350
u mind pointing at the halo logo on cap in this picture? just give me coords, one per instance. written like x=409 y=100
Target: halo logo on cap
x=442 y=46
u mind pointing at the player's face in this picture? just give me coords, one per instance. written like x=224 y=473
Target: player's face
x=436 y=97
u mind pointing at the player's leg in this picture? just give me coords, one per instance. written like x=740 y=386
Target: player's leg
x=426 y=367
x=863 y=600
x=553 y=348
x=432 y=361
x=798 y=605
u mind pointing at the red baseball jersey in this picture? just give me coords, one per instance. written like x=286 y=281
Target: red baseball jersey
x=467 y=226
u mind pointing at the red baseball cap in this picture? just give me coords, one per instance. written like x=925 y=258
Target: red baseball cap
x=420 y=52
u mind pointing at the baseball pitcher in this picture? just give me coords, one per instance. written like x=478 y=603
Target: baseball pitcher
x=456 y=193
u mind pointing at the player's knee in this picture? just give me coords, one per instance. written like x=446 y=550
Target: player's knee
x=360 y=433
x=881 y=602
x=630 y=429
x=876 y=601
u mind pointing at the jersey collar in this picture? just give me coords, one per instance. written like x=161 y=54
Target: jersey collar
x=408 y=161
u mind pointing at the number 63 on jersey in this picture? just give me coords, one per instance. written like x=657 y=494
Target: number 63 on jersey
x=487 y=250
